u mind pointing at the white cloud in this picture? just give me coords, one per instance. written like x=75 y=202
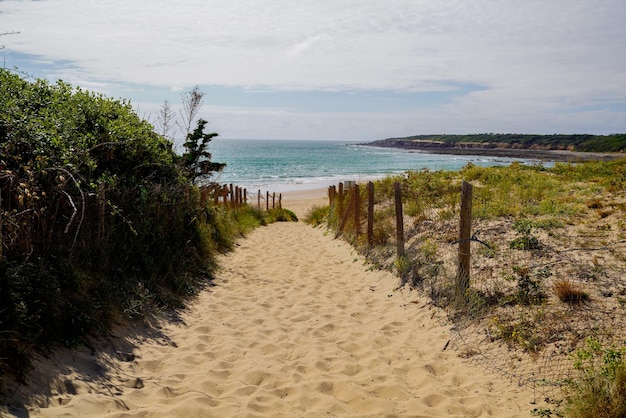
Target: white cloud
x=533 y=57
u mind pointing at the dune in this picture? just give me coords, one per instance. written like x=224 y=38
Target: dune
x=296 y=325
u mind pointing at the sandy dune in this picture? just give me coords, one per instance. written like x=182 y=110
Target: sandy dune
x=296 y=326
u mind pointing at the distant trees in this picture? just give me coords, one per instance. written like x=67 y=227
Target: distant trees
x=574 y=142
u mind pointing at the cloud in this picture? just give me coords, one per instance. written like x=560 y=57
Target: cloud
x=527 y=59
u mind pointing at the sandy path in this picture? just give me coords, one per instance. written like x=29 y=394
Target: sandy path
x=295 y=326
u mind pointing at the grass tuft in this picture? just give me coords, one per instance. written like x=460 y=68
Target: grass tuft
x=569 y=292
x=317 y=215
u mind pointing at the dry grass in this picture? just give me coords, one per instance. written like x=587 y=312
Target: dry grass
x=569 y=292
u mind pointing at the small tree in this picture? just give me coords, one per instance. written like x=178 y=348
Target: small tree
x=196 y=159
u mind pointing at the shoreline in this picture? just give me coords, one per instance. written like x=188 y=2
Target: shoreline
x=528 y=154
x=318 y=187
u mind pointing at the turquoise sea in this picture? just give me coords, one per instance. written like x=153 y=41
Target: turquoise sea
x=284 y=165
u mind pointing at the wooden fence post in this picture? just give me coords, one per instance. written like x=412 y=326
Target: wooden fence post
x=465 y=232
x=232 y=195
x=258 y=199
x=267 y=200
x=340 y=202
x=274 y=200
x=346 y=215
x=399 y=219
x=357 y=209
x=370 y=213
x=280 y=201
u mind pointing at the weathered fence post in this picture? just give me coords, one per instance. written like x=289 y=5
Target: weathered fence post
x=267 y=200
x=232 y=195
x=465 y=232
x=258 y=199
x=346 y=215
x=357 y=210
x=370 y=213
x=340 y=202
x=399 y=219
x=280 y=201
x=273 y=200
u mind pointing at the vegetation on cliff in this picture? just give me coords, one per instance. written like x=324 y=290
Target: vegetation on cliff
x=576 y=142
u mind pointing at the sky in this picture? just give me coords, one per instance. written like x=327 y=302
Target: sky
x=339 y=69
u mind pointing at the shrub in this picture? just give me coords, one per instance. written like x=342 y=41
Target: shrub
x=521 y=333
x=529 y=289
x=100 y=218
x=525 y=241
x=600 y=391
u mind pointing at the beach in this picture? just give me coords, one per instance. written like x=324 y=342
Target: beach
x=295 y=324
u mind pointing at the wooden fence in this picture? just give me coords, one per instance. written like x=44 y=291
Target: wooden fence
x=229 y=196
x=339 y=195
x=233 y=196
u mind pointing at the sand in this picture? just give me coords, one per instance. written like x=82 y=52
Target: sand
x=297 y=325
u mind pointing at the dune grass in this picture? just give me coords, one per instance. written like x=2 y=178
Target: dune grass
x=547 y=274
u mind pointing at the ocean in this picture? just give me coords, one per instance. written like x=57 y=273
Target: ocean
x=288 y=165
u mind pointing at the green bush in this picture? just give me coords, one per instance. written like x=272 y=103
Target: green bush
x=100 y=217
x=525 y=240
x=600 y=391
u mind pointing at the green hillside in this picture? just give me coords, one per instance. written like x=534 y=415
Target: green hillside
x=575 y=142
